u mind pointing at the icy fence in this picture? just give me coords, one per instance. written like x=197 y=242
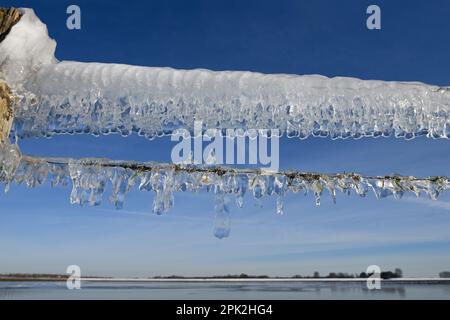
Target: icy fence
x=91 y=177
x=73 y=97
x=51 y=97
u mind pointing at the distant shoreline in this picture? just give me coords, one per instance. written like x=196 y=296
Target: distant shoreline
x=229 y=280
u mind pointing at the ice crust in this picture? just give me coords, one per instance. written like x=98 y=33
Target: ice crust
x=91 y=178
x=54 y=97
x=74 y=97
x=26 y=49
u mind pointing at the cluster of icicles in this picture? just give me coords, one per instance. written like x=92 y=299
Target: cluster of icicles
x=53 y=97
x=73 y=97
x=91 y=177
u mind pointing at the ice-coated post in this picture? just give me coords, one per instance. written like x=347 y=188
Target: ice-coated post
x=6 y=113
x=8 y=18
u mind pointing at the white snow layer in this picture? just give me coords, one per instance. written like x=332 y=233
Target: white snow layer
x=73 y=97
x=25 y=49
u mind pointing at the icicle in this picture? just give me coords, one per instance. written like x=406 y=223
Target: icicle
x=163 y=183
x=9 y=161
x=317 y=188
x=280 y=204
x=88 y=181
x=280 y=186
x=241 y=185
x=121 y=181
x=222 y=216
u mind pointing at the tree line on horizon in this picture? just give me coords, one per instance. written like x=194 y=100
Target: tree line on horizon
x=397 y=273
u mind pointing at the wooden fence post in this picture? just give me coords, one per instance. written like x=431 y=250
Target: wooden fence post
x=8 y=18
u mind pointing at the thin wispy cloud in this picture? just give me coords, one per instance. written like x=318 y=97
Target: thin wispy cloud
x=429 y=202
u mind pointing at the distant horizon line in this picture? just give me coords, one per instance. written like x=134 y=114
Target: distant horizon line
x=227 y=278
x=197 y=280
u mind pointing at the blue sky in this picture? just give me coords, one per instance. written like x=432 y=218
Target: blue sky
x=41 y=232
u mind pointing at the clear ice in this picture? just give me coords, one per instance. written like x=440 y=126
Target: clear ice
x=90 y=178
x=73 y=97
x=52 y=97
